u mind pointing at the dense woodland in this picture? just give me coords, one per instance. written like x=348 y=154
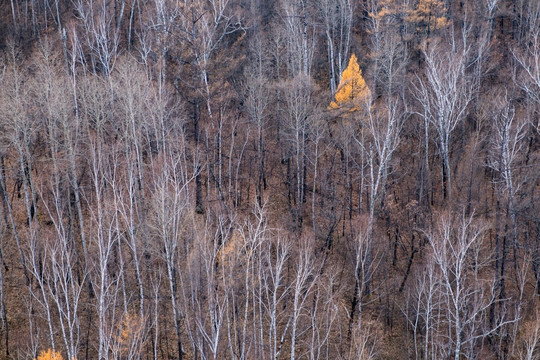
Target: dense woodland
x=252 y=179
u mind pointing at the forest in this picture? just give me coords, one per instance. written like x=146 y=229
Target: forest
x=257 y=179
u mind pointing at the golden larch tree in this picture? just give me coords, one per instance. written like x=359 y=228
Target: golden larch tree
x=388 y=8
x=49 y=355
x=429 y=15
x=352 y=91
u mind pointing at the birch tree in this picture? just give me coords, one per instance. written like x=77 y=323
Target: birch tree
x=301 y=40
x=444 y=96
x=466 y=294
x=170 y=202
x=337 y=17
x=299 y=112
x=506 y=143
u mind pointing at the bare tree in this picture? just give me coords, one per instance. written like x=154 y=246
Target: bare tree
x=426 y=302
x=324 y=315
x=529 y=60
x=206 y=296
x=466 y=294
x=64 y=287
x=444 y=95
x=103 y=217
x=337 y=17
x=301 y=40
x=506 y=142
x=100 y=26
x=130 y=86
x=305 y=278
x=299 y=113
x=364 y=266
x=387 y=50
x=275 y=289
x=257 y=103
x=170 y=202
x=529 y=349
x=12 y=120
x=378 y=140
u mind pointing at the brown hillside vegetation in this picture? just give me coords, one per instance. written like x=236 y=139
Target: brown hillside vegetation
x=250 y=179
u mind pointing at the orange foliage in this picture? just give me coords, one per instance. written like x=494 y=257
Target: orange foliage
x=353 y=90
x=131 y=331
x=430 y=15
x=50 y=355
x=389 y=8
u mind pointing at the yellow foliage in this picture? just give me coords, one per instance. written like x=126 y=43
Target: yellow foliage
x=352 y=90
x=50 y=355
x=388 y=8
x=130 y=331
x=429 y=14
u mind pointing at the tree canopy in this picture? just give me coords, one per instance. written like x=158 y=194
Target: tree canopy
x=352 y=91
x=50 y=355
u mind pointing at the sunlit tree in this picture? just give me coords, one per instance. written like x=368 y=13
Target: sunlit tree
x=49 y=355
x=352 y=91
